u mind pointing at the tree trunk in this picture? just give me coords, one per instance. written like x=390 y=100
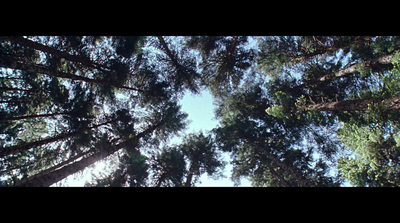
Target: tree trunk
x=377 y=62
x=64 y=163
x=10 y=63
x=193 y=167
x=354 y=105
x=25 y=146
x=60 y=54
x=161 y=180
x=279 y=177
x=381 y=62
x=330 y=49
x=181 y=70
x=31 y=116
x=45 y=180
x=167 y=50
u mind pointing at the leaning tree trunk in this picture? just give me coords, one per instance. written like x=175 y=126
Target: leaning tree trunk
x=279 y=177
x=375 y=64
x=9 y=150
x=392 y=103
x=12 y=63
x=384 y=61
x=8 y=119
x=328 y=49
x=60 y=54
x=45 y=180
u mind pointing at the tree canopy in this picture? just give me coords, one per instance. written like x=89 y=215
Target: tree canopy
x=293 y=111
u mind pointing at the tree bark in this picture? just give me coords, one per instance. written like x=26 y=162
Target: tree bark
x=193 y=166
x=181 y=70
x=354 y=105
x=61 y=54
x=45 y=180
x=10 y=63
x=381 y=62
x=279 y=177
x=64 y=163
x=330 y=49
x=377 y=62
x=25 y=146
x=6 y=119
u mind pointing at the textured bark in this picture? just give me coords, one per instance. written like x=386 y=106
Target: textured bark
x=31 y=116
x=193 y=166
x=279 y=177
x=25 y=146
x=355 y=105
x=12 y=63
x=329 y=49
x=382 y=62
x=45 y=180
x=60 y=54
x=377 y=62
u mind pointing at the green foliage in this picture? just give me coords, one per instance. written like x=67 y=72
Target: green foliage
x=72 y=100
x=363 y=140
x=66 y=101
x=202 y=156
x=391 y=79
x=132 y=171
x=356 y=171
x=277 y=111
x=376 y=161
x=224 y=61
x=257 y=141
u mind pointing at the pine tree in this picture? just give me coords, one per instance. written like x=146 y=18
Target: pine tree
x=376 y=162
x=67 y=90
x=361 y=94
x=269 y=149
x=293 y=110
x=224 y=61
x=202 y=157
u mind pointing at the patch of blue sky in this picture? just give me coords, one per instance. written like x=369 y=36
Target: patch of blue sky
x=200 y=111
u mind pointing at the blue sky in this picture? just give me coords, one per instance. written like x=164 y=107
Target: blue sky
x=200 y=109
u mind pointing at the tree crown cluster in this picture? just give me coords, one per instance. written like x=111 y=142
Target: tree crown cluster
x=293 y=111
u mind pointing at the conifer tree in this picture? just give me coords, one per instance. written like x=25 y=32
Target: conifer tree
x=268 y=149
x=359 y=94
x=293 y=110
x=178 y=165
x=72 y=101
x=224 y=61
